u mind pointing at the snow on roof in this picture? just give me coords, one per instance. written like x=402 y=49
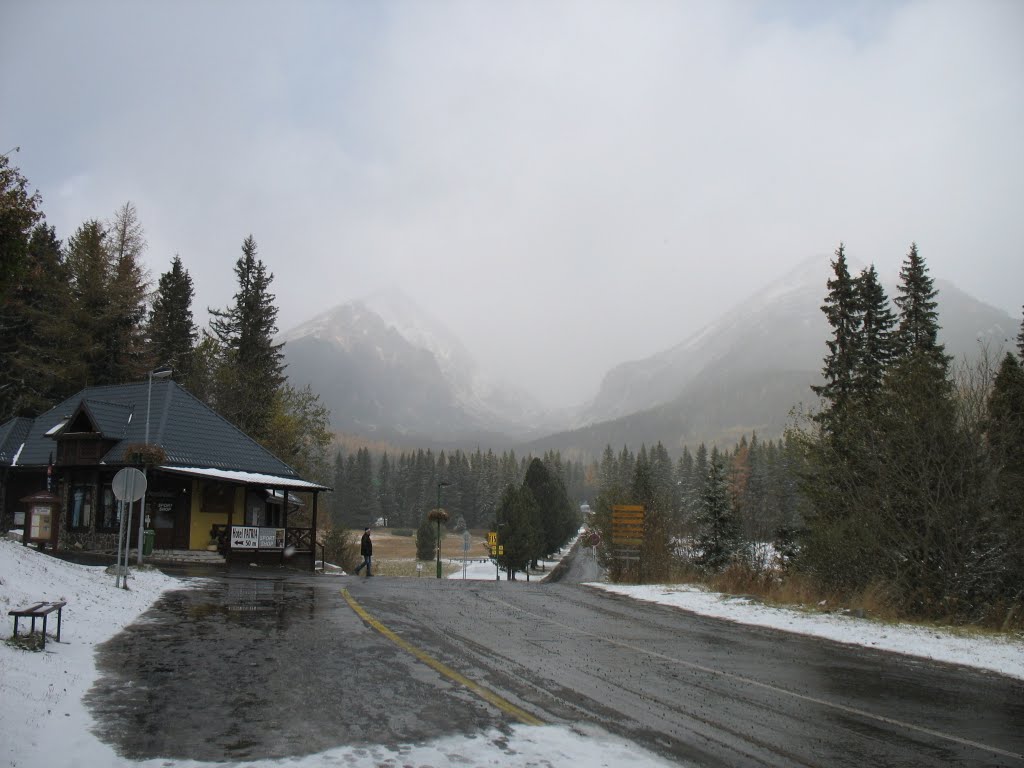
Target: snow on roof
x=14 y=461
x=249 y=478
x=57 y=427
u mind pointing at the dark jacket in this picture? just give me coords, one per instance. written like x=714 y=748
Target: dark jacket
x=365 y=546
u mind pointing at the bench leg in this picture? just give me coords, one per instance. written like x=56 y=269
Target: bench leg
x=44 y=633
x=15 y=635
x=59 y=610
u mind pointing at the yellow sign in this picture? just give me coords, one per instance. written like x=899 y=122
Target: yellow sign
x=498 y=550
x=492 y=538
x=628 y=525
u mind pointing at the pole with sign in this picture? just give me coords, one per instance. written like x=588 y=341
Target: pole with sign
x=628 y=533
x=129 y=485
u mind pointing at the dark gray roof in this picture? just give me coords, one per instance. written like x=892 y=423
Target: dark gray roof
x=191 y=434
x=12 y=435
x=111 y=419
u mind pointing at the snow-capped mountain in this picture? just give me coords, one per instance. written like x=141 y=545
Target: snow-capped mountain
x=747 y=370
x=385 y=366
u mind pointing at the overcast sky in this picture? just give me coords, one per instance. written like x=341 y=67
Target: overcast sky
x=566 y=185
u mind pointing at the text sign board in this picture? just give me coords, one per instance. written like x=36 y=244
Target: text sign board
x=628 y=525
x=245 y=537
x=492 y=538
x=271 y=538
x=498 y=550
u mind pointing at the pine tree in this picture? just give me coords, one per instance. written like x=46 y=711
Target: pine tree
x=172 y=332
x=840 y=309
x=252 y=364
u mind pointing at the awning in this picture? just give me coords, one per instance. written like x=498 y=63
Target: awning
x=247 y=478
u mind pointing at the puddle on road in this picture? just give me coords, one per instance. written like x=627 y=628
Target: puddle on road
x=260 y=668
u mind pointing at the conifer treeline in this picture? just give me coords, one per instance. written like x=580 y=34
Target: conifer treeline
x=401 y=489
x=80 y=314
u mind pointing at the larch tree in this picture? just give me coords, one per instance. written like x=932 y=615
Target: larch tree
x=125 y=333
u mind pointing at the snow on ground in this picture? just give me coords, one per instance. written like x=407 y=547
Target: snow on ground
x=44 y=723
x=1005 y=656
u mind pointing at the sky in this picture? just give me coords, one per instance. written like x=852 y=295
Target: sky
x=41 y=694
x=566 y=185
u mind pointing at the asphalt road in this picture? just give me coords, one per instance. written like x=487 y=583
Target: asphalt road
x=264 y=665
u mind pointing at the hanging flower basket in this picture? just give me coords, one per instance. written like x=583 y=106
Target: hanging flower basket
x=437 y=516
x=144 y=453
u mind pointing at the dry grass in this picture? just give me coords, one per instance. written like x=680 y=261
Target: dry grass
x=396 y=555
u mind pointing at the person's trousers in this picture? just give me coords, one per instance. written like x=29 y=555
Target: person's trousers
x=365 y=564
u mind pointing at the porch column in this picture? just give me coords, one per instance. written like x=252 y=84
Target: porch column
x=316 y=495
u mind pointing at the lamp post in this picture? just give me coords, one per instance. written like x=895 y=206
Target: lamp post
x=440 y=485
x=157 y=373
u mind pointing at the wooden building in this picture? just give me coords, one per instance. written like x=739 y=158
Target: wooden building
x=209 y=484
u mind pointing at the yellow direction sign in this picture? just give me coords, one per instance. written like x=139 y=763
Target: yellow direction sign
x=628 y=525
x=492 y=538
x=498 y=550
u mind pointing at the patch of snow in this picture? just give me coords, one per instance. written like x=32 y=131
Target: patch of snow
x=14 y=461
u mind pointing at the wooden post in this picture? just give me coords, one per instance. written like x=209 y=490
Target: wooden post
x=316 y=495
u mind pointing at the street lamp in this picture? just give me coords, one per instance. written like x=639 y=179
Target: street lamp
x=157 y=373
x=9 y=152
x=440 y=485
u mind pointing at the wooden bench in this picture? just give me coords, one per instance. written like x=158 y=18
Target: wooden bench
x=37 y=611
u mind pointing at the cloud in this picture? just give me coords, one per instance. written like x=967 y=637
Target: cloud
x=567 y=185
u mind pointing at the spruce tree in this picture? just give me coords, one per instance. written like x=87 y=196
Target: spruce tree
x=917 y=334
x=38 y=371
x=172 y=332
x=1020 y=342
x=840 y=309
x=19 y=214
x=718 y=536
x=554 y=509
x=875 y=342
x=252 y=364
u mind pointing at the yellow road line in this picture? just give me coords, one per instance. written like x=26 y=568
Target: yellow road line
x=489 y=696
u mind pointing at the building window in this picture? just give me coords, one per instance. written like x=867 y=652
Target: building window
x=108 y=510
x=81 y=506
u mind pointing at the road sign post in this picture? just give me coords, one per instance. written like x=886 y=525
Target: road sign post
x=129 y=484
x=628 y=534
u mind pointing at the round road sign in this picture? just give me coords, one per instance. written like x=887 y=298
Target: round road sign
x=129 y=484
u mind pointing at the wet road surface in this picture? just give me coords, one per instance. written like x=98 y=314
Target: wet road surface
x=257 y=665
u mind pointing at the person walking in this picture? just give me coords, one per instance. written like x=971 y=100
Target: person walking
x=366 y=550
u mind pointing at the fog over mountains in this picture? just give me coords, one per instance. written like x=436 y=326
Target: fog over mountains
x=388 y=370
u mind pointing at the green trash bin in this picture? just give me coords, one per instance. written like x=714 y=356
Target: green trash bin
x=148 y=537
